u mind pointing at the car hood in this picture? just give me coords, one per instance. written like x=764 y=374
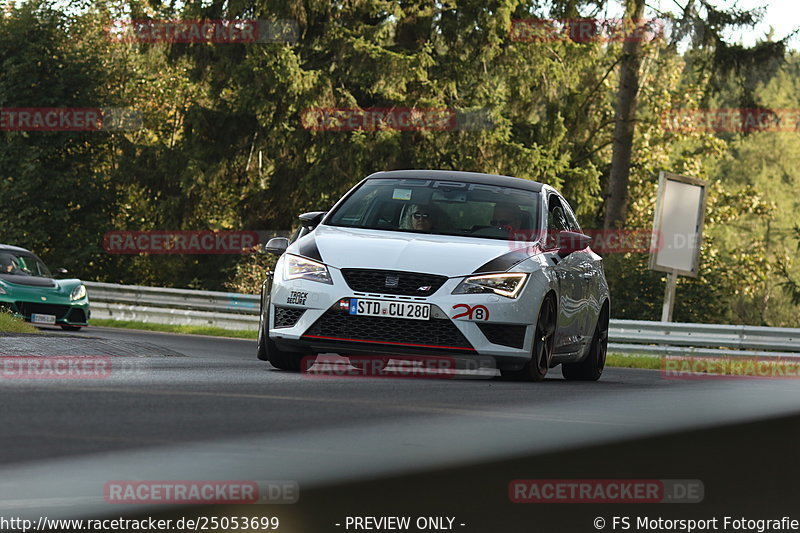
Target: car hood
x=395 y=250
x=30 y=281
x=33 y=283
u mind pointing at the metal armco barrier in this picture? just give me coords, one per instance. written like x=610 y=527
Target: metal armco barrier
x=181 y=307
x=701 y=340
x=231 y=310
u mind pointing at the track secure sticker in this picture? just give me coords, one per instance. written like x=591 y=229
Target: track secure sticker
x=297 y=297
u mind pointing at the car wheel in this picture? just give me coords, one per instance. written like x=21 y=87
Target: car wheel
x=71 y=328
x=542 y=353
x=268 y=351
x=591 y=368
x=262 y=344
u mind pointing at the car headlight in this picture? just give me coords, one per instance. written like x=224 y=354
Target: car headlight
x=78 y=292
x=301 y=268
x=508 y=285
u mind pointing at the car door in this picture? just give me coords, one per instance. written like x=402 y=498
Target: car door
x=567 y=271
x=588 y=276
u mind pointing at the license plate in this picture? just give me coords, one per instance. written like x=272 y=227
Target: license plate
x=43 y=319
x=413 y=311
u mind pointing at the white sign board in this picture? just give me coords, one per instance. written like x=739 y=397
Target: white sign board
x=678 y=224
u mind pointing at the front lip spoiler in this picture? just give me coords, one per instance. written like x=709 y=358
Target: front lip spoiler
x=324 y=344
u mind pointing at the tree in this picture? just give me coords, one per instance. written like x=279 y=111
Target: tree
x=625 y=119
x=54 y=192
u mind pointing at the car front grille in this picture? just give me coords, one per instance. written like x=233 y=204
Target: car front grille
x=504 y=334
x=435 y=333
x=287 y=317
x=392 y=282
x=27 y=309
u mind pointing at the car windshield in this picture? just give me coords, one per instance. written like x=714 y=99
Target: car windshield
x=439 y=207
x=21 y=264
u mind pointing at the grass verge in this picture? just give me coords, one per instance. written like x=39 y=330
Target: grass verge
x=633 y=361
x=193 y=330
x=11 y=324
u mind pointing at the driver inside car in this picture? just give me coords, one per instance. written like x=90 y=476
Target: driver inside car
x=421 y=217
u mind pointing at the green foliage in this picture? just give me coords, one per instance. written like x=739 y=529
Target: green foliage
x=10 y=324
x=53 y=188
x=224 y=146
x=248 y=273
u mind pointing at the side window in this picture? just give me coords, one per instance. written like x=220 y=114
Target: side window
x=556 y=217
x=571 y=220
x=556 y=220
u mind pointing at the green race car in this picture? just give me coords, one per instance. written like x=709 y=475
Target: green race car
x=28 y=290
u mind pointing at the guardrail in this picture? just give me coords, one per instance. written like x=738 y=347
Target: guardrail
x=232 y=310
x=701 y=340
x=182 y=307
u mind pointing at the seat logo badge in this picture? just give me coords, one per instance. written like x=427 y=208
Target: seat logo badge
x=392 y=281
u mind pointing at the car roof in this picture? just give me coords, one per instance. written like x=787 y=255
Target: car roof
x=9 y=248
x=467 y=177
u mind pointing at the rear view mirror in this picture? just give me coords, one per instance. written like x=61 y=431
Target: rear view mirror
x=276 y=245
x=312 y=219
x=570 y=241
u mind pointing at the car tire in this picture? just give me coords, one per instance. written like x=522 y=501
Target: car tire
x=71 y=328
x=542 y=352
x=268 y=351
x=591 y=368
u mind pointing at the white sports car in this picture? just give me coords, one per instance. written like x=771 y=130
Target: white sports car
x=417 y=263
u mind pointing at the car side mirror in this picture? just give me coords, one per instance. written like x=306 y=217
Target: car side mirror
x=276 y=245
x=312 y=219
x=570 y=241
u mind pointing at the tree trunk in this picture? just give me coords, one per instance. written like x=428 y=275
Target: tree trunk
x=624 y=121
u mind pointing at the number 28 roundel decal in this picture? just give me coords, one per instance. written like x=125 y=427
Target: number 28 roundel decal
x=476 y=312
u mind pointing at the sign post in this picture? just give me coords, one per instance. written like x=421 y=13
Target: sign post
x=678 y=227
x=669 y=297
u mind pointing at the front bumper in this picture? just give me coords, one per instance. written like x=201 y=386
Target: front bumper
x=305 y=316
x=68 y=314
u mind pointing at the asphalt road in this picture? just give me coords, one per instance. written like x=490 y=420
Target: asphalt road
x=207 y=409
